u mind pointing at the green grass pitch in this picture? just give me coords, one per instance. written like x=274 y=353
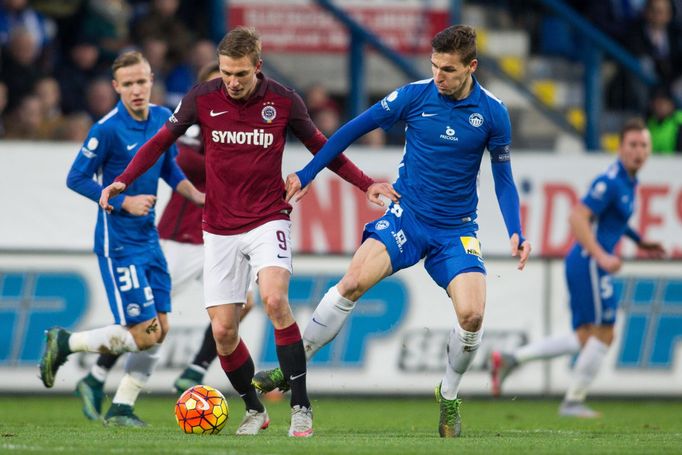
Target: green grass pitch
x=54 y=424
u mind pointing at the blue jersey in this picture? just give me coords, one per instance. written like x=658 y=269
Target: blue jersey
x=109 y=147
x=444 y=144
x=611 y=199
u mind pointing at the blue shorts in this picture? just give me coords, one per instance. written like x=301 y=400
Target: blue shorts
x=138 y=287
x=591 y=292
x=448 y=252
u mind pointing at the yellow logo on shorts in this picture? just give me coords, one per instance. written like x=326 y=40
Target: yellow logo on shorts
x=471 y=245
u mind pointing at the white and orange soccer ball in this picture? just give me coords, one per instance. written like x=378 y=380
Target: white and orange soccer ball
x=201 y=410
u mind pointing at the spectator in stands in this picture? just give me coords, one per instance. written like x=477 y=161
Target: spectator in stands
x=75 y=128
x=49 y=94
x=317 y=98
x=15 y=14
x=100 y=98
x=74 y=75
x=25 y=120
x=375 y=138
x=327 y=120
x=106 y=22
x=665 y=123
x=3 y=106
x=18 y=66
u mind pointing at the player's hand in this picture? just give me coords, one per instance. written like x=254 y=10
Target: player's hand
x=112 y=190
x=652 y=250
x=609 y=262
x=138 y=205
x=199 y=198
x=293 y=188
x=522 y=251
x=381 y=189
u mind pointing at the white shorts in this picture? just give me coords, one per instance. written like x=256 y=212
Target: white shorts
x=185 y=263
x=229 y=260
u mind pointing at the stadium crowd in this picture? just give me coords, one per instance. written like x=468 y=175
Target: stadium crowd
x=55 y=58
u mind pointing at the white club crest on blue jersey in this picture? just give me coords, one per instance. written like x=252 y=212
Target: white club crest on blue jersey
x=598 y=190
x=268 y=113
x=476 y=120
x=381 y=225
x=392 y=96
x=133 y=310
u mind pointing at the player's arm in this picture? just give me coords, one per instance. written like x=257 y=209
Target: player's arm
x=652 y=249
x=499 y=146
x=176 y=179
x=580 y=221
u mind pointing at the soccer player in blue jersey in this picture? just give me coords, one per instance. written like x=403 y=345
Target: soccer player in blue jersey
x=451 y=120
x=131 y=262
x=597 y=222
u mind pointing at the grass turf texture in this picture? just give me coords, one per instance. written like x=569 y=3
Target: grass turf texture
x=54 y=423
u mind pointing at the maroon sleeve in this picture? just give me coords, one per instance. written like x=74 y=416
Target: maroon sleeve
x=305 y=130
x=185 y=114
x=148 y=154
x=193 y=164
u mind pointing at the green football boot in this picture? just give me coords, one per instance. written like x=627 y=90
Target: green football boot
x=268 y=380
x=122 y=415
x=55 y=354
x=91 y=393
x=450 y=423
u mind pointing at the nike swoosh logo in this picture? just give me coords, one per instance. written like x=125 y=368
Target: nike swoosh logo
x=215 y=114
x=318 y=322
x=204 y=403
x=424 y=114
x=282 y=257
x=132 y=146
x=293 y=378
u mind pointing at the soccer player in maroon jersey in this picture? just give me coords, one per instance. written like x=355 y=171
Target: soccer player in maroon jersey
x=244 y=118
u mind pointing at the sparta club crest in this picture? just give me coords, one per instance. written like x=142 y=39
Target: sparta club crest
x=268 y=113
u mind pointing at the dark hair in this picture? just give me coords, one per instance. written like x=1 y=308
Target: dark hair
x=633 y=124
x=129 y=58
x=241 y=42
x=206 y=70
x=456 y=39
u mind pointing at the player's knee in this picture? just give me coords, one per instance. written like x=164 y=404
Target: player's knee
x=224 y=335
x=276 y=305
x=472 y=321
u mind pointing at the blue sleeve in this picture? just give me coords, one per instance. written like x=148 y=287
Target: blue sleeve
x=600 y=195
x=507 y=198
x=395 y=106
x=170 y=171
x=337 y=143
x=499 y=140
x=91 y=157
x=633 y=235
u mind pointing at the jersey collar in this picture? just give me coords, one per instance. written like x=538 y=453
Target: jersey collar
x=472 y=99
x=129 y=121
x=623 y=173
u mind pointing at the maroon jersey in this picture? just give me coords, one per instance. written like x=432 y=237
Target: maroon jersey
x=243 y=144
x=181 y=219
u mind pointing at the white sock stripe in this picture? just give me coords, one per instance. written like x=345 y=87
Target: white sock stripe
x=340 y=301
x=469 y=338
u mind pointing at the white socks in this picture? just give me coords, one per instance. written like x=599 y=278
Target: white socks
x=462 y=348
x=586 y=368
x=139 y=366
x=113 y=339
x=329 y=316
x=547 y=348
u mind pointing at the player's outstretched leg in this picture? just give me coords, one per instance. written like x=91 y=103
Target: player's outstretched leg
x=501 y=365
x=55 y=354
x=268 y=380
x=450 y=422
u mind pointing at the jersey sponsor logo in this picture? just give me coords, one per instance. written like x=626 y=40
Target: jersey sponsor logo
x=391 y=97
x=173 y=118
x=92 y=144
x=476 y=120
x=471 y=245
x=131 y=146
x=215 y=114
x=268 y=113
x=424 y=114
x=133 y=310
x=449 y=134
x=598 y=190
x=381 y=225
x=400 y=239
x=87 y=153
x=255 y=137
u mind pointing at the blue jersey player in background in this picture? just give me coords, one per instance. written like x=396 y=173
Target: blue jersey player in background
x=131 y=262
x=597 y=222
x=451 y=120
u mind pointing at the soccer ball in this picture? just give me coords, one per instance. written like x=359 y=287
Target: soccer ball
x=201 y=410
